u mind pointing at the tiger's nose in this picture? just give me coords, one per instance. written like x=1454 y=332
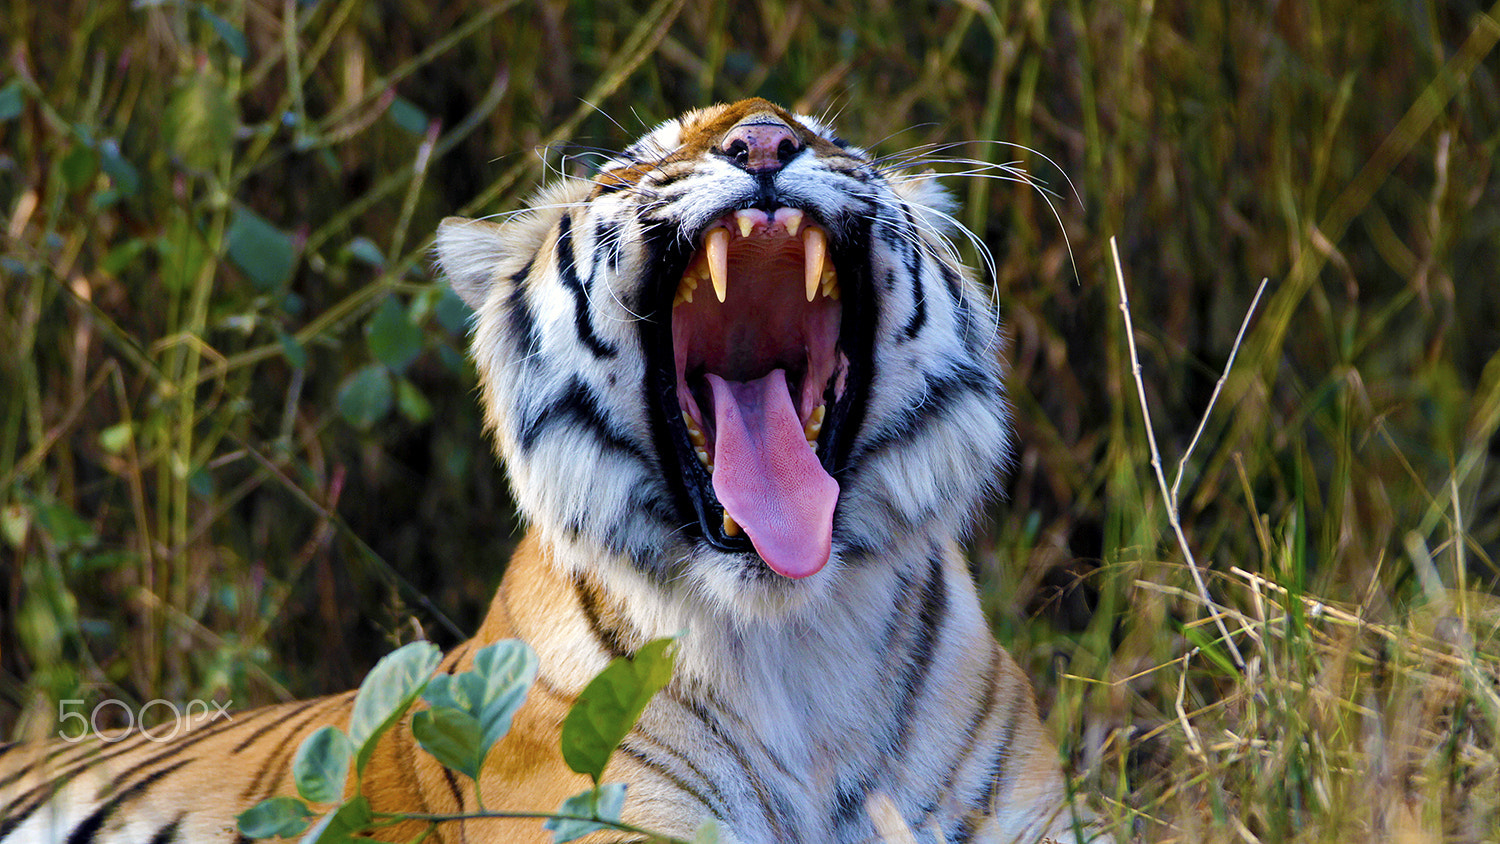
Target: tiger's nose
x=761 y=144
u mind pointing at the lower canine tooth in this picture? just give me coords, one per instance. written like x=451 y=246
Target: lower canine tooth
x=731 y=527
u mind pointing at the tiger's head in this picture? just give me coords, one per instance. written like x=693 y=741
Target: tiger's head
x=739 y=363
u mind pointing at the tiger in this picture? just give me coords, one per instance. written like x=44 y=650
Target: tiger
x=747 y=394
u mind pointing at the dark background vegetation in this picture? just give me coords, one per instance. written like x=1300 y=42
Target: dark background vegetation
x=241 y=457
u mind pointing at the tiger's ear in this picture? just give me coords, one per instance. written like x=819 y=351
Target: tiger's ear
x=470 y=253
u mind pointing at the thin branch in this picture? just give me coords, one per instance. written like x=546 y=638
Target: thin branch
x=1161 y=478
x=1223 y=376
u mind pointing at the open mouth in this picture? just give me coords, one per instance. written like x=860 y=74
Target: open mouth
x=759 y=377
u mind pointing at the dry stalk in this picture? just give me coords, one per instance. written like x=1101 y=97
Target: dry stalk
x=1169 y=494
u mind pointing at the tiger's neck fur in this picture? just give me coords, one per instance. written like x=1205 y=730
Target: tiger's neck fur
x=783 y=730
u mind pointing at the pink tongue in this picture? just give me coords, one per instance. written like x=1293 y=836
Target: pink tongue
x=768 y=478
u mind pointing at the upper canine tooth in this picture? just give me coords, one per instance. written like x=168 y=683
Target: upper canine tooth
x=716 y=244
x=814 y=252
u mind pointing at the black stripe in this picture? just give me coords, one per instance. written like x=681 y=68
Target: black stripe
x=950 y=276
x=453 y=789
x=976 y=721
x=893 y=627
x=651 y=761
x=764 y=795
x=168 y=833
x=85 y=831
x=920 y=650
x=455 y=657
x=38 y=796
x=748 y=730
x=589 y=600
x=961 y=834
x=914 y=271
x=567 y=271
x=277 y=763
x=998 y=771
x=942 y=392
x=82 y=751
x=665 y=178
x=601 y=189
x=607 y=245
x=302 y=706
x=849 y=804
x=576 y=403
x=518 y=314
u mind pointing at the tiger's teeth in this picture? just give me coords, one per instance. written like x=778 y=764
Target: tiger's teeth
x=746 y=219
x=716 y=244
x=695 y=434
x=731 y=527
x=829 y=284
x=814 y=426
x=686 y=288
x=814 y=252
x=791 y=220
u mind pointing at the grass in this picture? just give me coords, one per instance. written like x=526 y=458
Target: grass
x=239 y=447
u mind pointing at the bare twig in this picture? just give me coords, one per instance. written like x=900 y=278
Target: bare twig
x=1168 y=495
x=1218 y=386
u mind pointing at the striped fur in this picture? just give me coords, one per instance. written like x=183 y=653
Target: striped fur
x=796 y=703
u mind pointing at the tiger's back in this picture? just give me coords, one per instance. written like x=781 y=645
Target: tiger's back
x=745 y=391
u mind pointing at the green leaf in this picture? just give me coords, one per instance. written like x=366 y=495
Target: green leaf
x=366 y=396
x=12 y=100
x=365 y=250
x=63 y=526
x=610 y=705
x=278 y=817
x=127 y=179
x=406 y=115
x=708 y=833
x=122 y=256
x=452 y=312
x=387 y=691
x=15 y=523
x=292 y=350
x=232 y=37
x=452 y=737
x=114 y=438
x=394 y=340
x=78 y=167
x=1209 y=648
x=603 y=802
x=339 y=826
x=199 y=123
x=413 y=404
x=321 y=766
x=265 y=253
x=491 y=691
x=183 y=253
